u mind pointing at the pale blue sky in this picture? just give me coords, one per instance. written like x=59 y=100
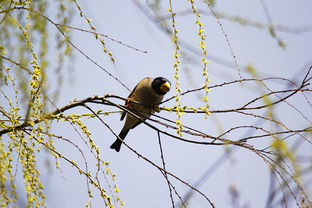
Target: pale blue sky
x=141 y=184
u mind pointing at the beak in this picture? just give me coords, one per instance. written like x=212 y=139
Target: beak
x=165 y=87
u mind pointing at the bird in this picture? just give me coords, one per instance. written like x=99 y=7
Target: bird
x=143 y=99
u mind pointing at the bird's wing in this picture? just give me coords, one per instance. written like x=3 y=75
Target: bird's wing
x=126 y=102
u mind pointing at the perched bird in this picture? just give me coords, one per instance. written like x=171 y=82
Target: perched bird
x=147 y=95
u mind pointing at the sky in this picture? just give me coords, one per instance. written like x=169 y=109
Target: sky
x=141 y=184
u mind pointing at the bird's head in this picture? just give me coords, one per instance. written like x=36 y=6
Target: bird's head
x=161 y=85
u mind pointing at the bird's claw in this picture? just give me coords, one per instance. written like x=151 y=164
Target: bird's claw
x=129 y=102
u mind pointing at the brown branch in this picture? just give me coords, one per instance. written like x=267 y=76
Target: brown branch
x=239 y=81
x=100 y=34
x=164 y=167
x=16 y=63
x=294 y=91
x=52 y=114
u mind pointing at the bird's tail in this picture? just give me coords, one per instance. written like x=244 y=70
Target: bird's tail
x=117 y=144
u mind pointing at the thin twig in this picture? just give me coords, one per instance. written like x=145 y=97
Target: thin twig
x=164 y=167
